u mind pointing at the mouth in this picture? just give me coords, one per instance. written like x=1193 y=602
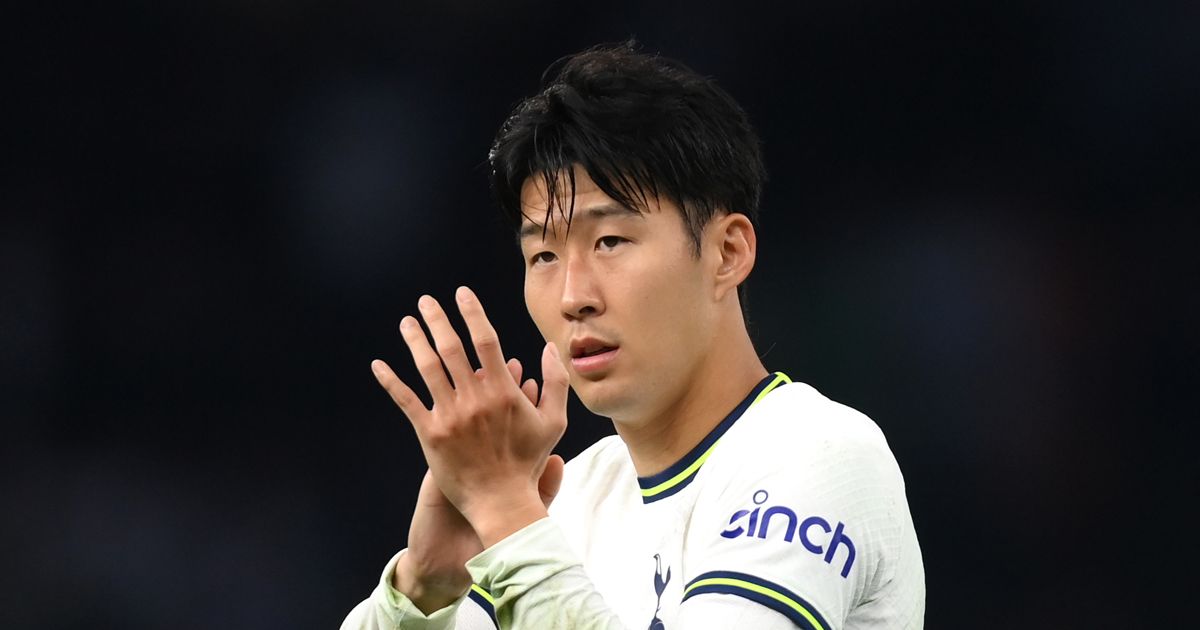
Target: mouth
x=590 y=355
x=592 y=352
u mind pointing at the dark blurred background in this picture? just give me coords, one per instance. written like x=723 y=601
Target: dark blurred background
x=979 y=231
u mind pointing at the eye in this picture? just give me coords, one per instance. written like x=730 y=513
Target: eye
x=609 y=242
x=541 y=257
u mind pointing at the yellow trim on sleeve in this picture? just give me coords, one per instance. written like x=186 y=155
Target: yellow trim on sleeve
x=484 y=594
x=761 y=590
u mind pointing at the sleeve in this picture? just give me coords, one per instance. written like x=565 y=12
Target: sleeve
x=799 y=528
x=389 y=609
x=537 y=583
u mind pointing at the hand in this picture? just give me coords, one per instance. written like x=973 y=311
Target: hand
x=486 y=442
x=431 y=573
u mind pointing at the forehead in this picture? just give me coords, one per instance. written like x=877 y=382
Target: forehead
x=577 y=188
x=584 y=202
x=532 y=230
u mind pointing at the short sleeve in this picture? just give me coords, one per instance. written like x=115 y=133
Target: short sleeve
x=797 y=512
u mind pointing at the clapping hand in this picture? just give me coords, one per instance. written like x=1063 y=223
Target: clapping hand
x=486 y=438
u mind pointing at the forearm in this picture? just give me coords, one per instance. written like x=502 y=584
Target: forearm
x=537 y=583
x=427 y=595
x=390 y=609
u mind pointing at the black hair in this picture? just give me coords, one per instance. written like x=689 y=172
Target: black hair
x=639 y=125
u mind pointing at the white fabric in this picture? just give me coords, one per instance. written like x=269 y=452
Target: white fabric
x=593 y=564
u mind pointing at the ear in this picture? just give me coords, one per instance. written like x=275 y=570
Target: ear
x=735 y=244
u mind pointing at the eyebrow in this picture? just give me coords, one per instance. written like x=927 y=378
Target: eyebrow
x=530 y=229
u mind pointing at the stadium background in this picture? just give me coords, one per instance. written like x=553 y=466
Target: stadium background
x=977 y=231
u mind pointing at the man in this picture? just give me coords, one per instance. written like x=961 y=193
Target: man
x=730 y=497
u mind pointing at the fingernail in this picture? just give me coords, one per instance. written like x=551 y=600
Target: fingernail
x=407 y=322
x=464 y=294
x=426 y=302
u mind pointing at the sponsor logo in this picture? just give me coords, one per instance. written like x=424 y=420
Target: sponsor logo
x=814 y=533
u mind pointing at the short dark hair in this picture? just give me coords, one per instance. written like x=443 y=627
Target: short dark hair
x=638 y=124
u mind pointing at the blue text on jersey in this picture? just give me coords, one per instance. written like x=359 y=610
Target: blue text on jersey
x=759 y=524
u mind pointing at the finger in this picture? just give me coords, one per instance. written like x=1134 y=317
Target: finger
x=483 y=335
x=514 y=368
x=449 y=346
x=427 y=361
x=555 y=382
x=401 y=394
x=551 y=479
x=529 y=388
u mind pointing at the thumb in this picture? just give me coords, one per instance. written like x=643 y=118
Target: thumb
x=551 y=479
x=555 y=382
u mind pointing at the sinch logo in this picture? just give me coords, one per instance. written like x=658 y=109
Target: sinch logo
x=758 y=524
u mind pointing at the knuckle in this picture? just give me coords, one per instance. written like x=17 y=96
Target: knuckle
x=475 y=411
x=464 y=407
x=450 y=349
x=437 y=435
x=403 y=399
x=508 y=398
x=428 y=364
x=487 y=341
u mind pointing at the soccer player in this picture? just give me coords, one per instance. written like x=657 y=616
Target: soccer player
x=731 y=497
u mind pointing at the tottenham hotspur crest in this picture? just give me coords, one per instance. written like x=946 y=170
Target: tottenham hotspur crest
x=660 y=585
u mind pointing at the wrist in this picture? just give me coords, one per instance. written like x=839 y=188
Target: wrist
x=428 y=594
x=496 y=520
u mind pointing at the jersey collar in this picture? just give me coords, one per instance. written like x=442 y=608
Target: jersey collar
x=680 y=474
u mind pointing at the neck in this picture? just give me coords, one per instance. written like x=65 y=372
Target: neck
x=663 y=437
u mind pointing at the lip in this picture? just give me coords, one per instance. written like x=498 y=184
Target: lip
x=580 y=345
x=595 y=363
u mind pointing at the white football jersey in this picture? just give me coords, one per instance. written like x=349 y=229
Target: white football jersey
x=791 y=513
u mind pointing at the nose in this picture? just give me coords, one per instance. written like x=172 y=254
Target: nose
x=580 y=293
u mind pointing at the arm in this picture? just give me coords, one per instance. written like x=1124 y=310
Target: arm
x=810 y=520
x=388 y=608
x=426 y=586
x=487 y=445
x=538 y=583
x=812 y=531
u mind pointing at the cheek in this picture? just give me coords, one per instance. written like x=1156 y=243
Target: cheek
x=669 y=299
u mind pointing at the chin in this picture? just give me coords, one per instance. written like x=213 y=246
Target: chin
x=603 y=397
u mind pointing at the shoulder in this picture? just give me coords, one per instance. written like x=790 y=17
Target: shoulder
x=805 y=492
x=798 y=449
x=796 y=428
x=800 y=408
